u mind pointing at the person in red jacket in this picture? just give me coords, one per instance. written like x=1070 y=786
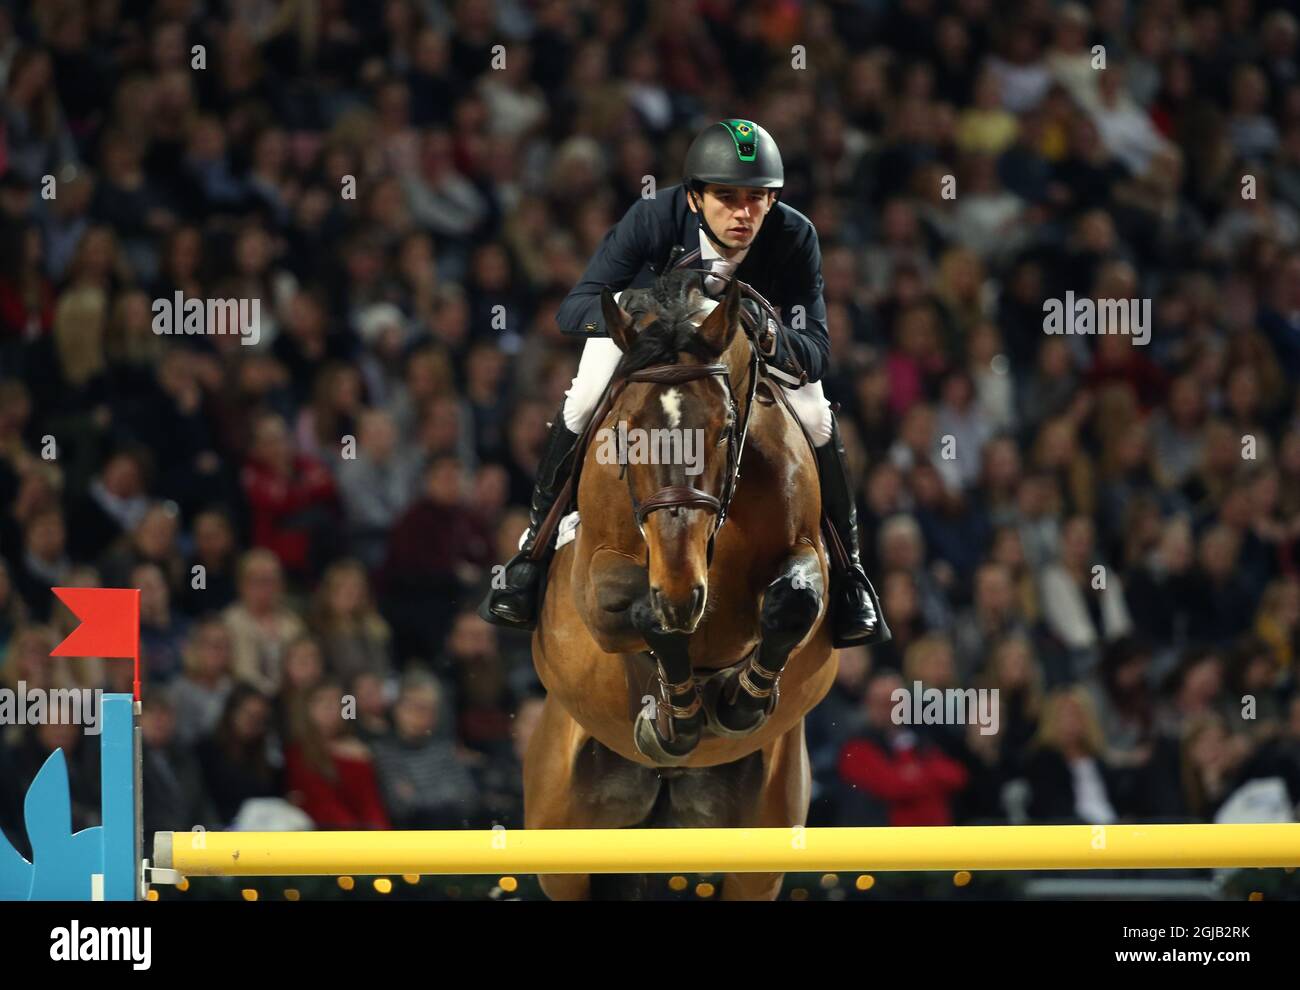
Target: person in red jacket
x=329 y=772
x=26 y=295
x=292 y=497
x=897 y=766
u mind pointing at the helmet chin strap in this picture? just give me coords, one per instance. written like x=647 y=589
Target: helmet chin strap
x=704 y=224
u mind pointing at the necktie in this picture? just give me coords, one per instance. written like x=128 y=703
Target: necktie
x=716 y=286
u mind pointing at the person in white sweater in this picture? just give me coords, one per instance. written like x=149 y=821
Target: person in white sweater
x=1083 y=602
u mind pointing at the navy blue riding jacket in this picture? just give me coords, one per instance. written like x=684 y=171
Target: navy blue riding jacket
x=784 y=263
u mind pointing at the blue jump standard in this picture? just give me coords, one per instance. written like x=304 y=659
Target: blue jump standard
x=97 y=863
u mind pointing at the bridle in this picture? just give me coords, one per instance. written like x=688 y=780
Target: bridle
x=687 y=496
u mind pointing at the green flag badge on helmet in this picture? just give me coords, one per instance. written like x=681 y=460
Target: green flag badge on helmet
x=743 y=133
x=734 y=153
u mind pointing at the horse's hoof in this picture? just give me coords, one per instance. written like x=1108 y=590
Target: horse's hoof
x=653 y=746
x=729 y=721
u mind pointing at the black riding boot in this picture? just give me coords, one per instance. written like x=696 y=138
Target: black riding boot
x=855 y=613
x=515 y=605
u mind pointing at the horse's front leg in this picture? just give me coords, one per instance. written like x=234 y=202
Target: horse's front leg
x=739 y=701
x=668 y=730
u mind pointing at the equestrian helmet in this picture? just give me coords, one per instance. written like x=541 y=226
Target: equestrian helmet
x=734 y=153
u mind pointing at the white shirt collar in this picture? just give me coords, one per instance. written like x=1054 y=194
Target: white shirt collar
x=709 y=252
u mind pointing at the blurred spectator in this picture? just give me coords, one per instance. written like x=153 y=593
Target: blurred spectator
x=830 y=725
x=899 y=597
x=213 y=587
x=44 y=563
x=236 y=757
x=199 y=694
x=1069 y=780
x=290 y=496
x=483 y=694
x=370 y=699
x=261 y=625
x=152 y=541
x=38 y=139
x=1220 y=599
x=353 y=636
x=896 y=765
x=425 y=782
x=1083 y=601
x=1254 y=683
x=1014 y=672
x=162 y=631
x=28 y=660
x=376 y=486
x=1195 y=689
x=332 y=415
x=1277 y=622
x=329 y=773
x=501 y=777
x=304 y=668
x=175 y=798
x=114 y=504
x=902 y=548
x=994 y=614
x=1124 y=701
x=435 y=551
x=1212 y=760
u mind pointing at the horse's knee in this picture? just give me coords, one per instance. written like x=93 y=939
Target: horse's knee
x=791 y=604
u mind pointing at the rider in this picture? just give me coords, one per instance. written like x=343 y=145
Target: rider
x=727 y=206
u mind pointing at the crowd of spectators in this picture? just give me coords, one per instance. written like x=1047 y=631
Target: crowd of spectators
x=1104 y=528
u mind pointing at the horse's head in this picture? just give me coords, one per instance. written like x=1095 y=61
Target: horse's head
x=676 y=430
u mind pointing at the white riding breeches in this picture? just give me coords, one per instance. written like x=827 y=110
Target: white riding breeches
x=600 y=356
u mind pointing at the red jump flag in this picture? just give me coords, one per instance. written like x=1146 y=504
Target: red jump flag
x=110 y=624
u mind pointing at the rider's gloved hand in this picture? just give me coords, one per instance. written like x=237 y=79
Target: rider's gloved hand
x=770 y=339
x=764 y=327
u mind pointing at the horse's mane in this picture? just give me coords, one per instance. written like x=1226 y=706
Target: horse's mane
x=673 y=332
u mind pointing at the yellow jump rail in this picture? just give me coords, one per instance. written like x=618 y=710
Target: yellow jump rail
x=720 y=850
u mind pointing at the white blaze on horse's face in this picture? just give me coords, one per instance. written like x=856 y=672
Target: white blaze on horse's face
x=672 y=403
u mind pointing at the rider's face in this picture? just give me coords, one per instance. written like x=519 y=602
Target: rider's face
x=734 y=213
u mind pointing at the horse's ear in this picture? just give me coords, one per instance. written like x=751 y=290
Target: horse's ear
x=617 y=322
x=720 y=326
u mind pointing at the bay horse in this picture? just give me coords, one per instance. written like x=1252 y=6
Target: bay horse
x=679 y=654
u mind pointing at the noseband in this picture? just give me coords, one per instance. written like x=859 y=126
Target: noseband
x=687 y=496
